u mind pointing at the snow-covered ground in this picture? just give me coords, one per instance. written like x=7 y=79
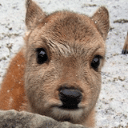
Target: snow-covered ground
x=112 y=106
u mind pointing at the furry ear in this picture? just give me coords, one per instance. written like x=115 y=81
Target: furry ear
x=34 y=14
x=101 y=20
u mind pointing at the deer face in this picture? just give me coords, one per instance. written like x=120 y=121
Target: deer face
x=64 y=54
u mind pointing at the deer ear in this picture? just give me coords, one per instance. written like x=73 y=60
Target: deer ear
x=101 y=20
x=34 y=14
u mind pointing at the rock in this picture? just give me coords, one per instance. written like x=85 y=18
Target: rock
x=15 y=119
x=121 y=78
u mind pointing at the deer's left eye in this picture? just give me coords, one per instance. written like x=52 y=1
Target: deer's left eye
x=41 y=56
x=96 y=62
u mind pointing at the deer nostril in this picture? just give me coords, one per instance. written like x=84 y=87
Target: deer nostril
x=70 y=98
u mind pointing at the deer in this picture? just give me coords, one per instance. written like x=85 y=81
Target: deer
x=125 y=47
x=57 y=73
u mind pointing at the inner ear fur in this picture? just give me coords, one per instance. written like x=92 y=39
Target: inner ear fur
x=101 y=20
x=34 y=14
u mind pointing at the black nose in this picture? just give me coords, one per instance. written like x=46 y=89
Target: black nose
x=70 y=98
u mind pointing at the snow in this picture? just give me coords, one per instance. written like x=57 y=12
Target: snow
x=112 y=106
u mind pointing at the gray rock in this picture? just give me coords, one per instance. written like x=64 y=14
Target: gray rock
x=15 y=119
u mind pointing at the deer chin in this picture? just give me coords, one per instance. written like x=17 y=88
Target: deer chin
x=64 y=114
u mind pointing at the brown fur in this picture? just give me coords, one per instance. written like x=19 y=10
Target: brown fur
x=12 y=91
x=71 y=41
x=125 y=48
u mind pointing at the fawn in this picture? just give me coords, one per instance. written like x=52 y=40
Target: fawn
x=57 y=73
x=125 y=48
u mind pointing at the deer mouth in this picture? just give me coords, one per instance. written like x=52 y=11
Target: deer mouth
x=69 y=107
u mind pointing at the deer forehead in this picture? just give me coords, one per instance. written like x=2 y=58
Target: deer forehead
x=68 y=26
x=65 y=31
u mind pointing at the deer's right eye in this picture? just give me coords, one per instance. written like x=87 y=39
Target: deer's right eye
x=41 y=56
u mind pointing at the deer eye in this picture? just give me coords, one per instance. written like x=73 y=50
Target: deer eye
x=96 y=62
x=41 y=56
